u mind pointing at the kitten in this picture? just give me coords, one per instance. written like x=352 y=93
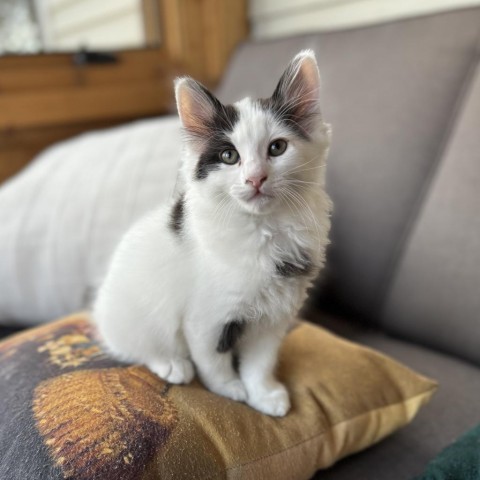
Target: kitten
x=218 y=276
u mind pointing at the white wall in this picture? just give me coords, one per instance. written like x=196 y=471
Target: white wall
x=96 y=24
x=275 y=18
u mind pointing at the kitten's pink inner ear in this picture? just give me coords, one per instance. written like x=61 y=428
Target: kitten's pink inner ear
x=306 y=85
x=185 y=106
x=310 y=75
x=194 y=107
x=300 y=84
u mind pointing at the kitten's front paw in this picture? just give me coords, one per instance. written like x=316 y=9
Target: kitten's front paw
x=233 y=389
x=274 y=402
x=173 y=370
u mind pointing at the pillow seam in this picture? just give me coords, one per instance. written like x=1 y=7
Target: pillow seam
x=430 y=390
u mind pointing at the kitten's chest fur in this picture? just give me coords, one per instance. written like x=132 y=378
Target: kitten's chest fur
x=262 y=265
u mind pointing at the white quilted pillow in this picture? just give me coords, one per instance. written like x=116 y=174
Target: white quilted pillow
x=63 y=215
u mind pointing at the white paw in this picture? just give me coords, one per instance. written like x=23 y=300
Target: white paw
x=274 y=402
x=233 y=389
x=173 y=370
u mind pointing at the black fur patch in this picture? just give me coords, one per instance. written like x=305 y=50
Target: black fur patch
x=236 y=363
x=285 y=114
x=303 y=266
x=231 y=332
x=292 y=112
x=210 y=159
x=222 y=122
x=177 y=215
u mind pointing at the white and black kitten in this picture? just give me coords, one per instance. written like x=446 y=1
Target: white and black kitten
x=221 y=272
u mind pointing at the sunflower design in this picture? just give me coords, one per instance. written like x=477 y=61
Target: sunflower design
x=105 y=423
x=82 y=415
x=71 y=350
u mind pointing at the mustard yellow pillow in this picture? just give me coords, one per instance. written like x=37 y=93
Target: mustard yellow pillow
x=67 y=410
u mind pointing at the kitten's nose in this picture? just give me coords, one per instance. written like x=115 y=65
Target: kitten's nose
x=256 y=181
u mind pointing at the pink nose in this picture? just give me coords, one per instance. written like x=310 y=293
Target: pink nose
x=256 y=181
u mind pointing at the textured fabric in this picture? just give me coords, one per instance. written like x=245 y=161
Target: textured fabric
x=64 y=214
x=435 y=295
x=460 y=460
x=389 y=92
x=68 y=410
x=454 y=409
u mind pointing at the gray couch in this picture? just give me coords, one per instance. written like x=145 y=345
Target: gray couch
x=403 y=270
x=403 y=274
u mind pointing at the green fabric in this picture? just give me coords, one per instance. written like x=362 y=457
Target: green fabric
x=459 y=461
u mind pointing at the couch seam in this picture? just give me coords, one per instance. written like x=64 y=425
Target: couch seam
x=423 y=195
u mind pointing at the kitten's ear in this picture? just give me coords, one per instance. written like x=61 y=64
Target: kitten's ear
x=196 y=106
x=298 y=91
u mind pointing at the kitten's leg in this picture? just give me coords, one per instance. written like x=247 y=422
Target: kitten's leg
x=171 y=361
x=166 y=355
x=258 y=358
x=172 y=369
x=214 y=361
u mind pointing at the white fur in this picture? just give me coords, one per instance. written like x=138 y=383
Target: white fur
x=166 y=297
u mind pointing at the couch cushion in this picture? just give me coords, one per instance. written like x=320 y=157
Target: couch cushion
x=453 y=410
x=70 y=411
x=435 y=294
x=389 y=91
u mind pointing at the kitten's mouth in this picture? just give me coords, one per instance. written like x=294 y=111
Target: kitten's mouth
x=256 y=201
x=258 y=195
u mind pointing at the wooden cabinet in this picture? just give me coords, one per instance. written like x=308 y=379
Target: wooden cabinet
x=46 y=98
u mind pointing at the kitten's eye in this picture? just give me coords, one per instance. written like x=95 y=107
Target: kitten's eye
x=277 y=147
x=230 y=156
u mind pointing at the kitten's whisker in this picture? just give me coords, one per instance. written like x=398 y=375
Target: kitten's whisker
x=220 y=207
x=298 y=166
x=221 y=195
x=290 y=199
x=303 y=182
x=282 y=196
x=228 y=213
x=227 y=208
x=302 y=202
x=308 y=169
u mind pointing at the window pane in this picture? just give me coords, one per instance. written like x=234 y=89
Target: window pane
x=19 y=30
x=28 y=26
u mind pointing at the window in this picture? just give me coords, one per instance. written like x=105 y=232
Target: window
x=33 y=26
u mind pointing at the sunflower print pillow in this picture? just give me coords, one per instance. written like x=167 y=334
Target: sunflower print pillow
x=68 y=411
